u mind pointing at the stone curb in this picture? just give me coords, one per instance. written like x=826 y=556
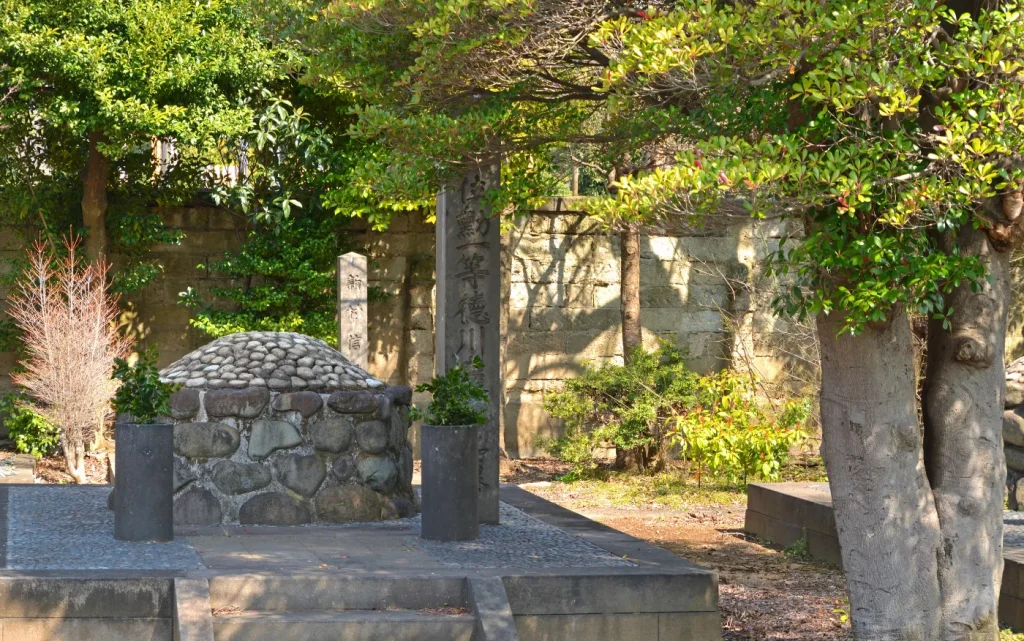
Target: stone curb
x=489 y=602
x=193 y=616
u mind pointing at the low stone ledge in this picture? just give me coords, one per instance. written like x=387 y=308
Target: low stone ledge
x=193 y=616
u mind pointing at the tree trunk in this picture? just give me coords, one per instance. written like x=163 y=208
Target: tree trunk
x=872 y=445
x=94 y=197
x=632 y=335
x=94 y=217
x=963 y=413
x=74 y=458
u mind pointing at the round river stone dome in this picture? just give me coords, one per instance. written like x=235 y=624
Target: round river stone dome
x=281 y=429
x=281 y=361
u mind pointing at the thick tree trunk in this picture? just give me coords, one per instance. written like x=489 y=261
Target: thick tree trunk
x=885 y=514
x=632 y=335
x=963 y=412
x=94 y=198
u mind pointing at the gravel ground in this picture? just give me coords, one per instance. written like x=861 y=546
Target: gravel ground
x=70 y=528
x=521 y=541
x=765 y=594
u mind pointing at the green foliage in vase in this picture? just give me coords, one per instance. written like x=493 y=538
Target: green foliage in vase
x=456 y=399
x=142 y=395
x=30 y=432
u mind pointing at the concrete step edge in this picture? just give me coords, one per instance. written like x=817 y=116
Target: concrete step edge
x=342 y=616
x=334 y=593
x=75 y=597
x=349 y=625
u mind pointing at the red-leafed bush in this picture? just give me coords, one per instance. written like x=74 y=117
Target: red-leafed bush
x=70 y=329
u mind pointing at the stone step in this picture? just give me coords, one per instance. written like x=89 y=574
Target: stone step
x=75 y=597
x=323 y=592
x=92 y=629
x=350 y=625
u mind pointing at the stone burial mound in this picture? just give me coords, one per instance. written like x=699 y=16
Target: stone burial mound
x=278 y=428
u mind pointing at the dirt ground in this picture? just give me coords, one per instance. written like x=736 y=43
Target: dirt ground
x=765 y=593
x=52 y=469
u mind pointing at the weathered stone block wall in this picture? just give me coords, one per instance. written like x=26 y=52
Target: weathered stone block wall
x=154 y=314
x=703 y=288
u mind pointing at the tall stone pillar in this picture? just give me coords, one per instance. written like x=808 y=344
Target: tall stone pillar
x=468 y=255
x=352 y=316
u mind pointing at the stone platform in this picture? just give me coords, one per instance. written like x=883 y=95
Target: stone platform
x=544 y=574
x=785 y=513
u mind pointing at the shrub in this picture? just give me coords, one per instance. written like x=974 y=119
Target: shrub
x=142 y=395
x=71 y=336
x=30 y=432
x=733 y=435
x=456 y=399
x=628 y=406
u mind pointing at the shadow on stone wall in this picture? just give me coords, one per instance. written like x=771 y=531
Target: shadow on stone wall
x=702 y=288
x=699 y=288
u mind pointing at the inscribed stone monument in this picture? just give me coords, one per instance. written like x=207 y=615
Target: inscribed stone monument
x=352 y=338
x=468 y=290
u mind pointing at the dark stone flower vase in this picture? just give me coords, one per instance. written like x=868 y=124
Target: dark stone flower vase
x=144 y=485
x=450 y=479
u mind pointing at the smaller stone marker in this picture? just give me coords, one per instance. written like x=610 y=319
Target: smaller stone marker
x=352 y=334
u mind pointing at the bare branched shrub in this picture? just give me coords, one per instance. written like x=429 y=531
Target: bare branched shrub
x=71 y=336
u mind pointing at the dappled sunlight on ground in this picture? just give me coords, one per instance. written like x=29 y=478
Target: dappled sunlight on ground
x=765 y=593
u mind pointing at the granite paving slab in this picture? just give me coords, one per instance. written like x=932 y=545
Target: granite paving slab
x=70 y=528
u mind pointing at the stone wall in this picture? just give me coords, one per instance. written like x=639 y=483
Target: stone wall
x=154 y=314
x=704 y=288
x=1013 y=434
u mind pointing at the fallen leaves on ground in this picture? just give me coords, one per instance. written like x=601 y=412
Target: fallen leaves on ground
x=53 y=469
x=764 y=593
x=226 y=611
x=442 y=612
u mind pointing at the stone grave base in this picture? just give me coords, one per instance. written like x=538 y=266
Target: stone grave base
x=785 y=513
x=543 y=574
